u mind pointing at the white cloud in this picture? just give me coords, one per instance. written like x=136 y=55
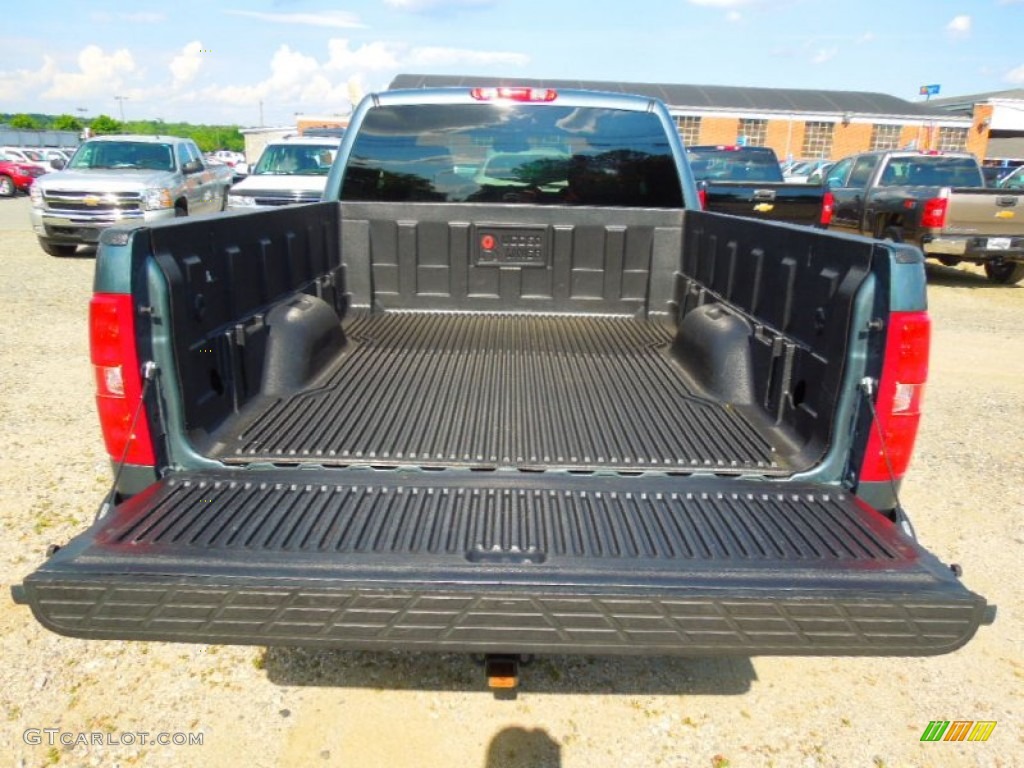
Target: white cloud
x=299 y=82
x=960 y=26
x=445 y=57
x=295 y=78
x=336 y=19
x=372 y=56
x=1015 y=75
x=292 y=80
x=23 y=82
x=733 y=16
x=290 y=70
x=824 y=54
x=186 y=65
x=99 y=74
x=867 y=37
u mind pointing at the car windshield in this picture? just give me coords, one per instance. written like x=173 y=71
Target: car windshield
x=296 y=160
x=541 y=154
x=128 y=155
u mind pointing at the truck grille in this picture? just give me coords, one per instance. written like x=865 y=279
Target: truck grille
x=114 y=204
x=285 y=197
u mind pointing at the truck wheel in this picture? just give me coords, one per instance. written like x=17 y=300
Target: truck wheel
x=57 y=249
x=7 y=188
x=1005 y=273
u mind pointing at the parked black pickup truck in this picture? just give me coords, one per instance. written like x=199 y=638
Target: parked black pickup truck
x=935 y=200
x=747 y=181
x=557 y=408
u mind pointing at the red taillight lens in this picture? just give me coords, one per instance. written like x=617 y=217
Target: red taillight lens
x=934 y=213
x=702 y=198
x=118 y=378
x=900 y=391
x=828 y=203
x=514 y=94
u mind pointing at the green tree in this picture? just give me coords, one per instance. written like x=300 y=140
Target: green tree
x=104 y=124
x=66 y=123
x=24 y=122
x=142 y=127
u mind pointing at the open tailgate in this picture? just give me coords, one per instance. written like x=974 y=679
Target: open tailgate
x=485 y=562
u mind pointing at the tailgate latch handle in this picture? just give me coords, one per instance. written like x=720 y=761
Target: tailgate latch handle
x=764 y=194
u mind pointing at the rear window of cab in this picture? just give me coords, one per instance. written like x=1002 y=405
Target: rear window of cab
x=519 y=153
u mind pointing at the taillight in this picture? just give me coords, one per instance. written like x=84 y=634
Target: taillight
x=514 y=94
x=828 y=202
x=702 y=197
x=900 y=391
x=118 y=378
x=934 y=212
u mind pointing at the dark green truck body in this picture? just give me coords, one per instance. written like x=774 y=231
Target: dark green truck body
x=506 y=428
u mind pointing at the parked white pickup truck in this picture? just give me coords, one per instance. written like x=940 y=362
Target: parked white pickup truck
x=120 y=179
x=292 y=170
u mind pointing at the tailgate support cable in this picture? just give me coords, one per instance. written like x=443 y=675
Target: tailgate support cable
x=867 y=386
x=149 y=370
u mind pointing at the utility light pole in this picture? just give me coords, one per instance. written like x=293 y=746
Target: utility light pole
x=121 y=100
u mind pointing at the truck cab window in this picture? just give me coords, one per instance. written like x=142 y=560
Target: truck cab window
x=863 y=167
x=837 y=176
x=479 y=154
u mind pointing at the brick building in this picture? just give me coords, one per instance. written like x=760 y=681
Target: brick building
x=1001 y=113
x=796 y=123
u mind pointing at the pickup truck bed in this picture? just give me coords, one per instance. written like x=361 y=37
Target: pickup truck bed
x=532 y=392
x=596 y=454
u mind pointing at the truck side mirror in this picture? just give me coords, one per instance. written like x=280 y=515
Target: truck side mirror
x=58 y=164
x=192 y=166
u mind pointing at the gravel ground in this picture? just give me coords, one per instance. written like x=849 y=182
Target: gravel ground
x=259 y=707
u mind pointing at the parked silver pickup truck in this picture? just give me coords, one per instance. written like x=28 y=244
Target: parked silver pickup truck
x=121 y=179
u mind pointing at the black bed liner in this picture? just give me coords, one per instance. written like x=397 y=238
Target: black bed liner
x=544 y=392
x=503 y=561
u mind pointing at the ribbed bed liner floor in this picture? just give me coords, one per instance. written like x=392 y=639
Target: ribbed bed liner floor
x=504 y=390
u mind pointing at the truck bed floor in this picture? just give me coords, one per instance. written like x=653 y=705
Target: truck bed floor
x=487 y=391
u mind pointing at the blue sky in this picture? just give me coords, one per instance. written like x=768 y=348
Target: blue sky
x=216 y=61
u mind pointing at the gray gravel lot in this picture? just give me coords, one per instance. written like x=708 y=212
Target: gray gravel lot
x=282 y=707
